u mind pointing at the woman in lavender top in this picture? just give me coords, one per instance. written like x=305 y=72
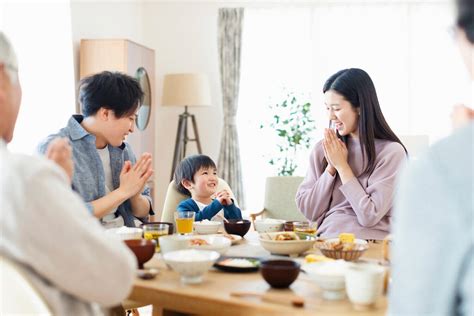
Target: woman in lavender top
x=350 y=183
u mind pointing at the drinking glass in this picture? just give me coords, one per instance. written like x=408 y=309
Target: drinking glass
x=184 y=222
x=154 y=232
x=305 y=227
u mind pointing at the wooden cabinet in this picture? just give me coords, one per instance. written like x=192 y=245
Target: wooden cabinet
x=136 y=60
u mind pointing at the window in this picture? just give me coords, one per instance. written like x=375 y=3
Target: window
x=403 y=46
x=45 y=68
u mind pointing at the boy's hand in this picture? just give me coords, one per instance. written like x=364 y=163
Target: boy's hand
x=224 y=197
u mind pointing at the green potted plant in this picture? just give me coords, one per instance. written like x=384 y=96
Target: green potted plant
x=292 y=127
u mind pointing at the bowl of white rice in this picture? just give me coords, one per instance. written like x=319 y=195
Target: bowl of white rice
x=207 y=227
x=191 y=264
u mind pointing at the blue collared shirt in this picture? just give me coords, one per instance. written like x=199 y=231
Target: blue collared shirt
x=89 y=177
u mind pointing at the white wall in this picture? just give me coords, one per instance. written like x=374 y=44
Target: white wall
x=104 y=20
x=40 y=33
x=184 y=37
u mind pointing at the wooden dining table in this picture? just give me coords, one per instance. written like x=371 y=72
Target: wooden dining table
x=213 y=296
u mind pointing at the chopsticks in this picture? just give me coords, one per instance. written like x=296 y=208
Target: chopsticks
x=293 y=300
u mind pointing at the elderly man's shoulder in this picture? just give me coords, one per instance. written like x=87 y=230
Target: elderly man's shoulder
x=449 y=161
x=457 y=148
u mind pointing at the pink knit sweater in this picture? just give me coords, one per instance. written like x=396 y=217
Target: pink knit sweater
x=363 y=205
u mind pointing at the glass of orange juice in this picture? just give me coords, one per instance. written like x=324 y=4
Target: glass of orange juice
x=184 y=222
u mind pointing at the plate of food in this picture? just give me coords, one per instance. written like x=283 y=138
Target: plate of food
x=234 y=239
x=286 y=243
x=237 y=264
x=210 y=242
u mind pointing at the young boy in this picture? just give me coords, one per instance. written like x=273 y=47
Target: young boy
x=196 y=176
x=106 y=173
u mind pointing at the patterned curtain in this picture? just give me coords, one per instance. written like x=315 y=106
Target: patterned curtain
x=230 y=34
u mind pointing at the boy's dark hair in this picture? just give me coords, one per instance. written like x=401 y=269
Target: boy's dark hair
x=465 y=17
x=188 y=167
x=111 y=90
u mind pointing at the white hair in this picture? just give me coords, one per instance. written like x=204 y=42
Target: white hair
x=8 y=58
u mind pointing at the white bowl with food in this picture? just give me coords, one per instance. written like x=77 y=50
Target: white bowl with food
x=234 y=239
x=329 y=276
x=191 y=264
x=267 y=225
x=286 y=243
x=217 y=243
x=207 y=227
x=170 y=243
x=125 y=233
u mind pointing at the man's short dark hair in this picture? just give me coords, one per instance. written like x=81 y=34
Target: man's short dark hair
x=465 y=17
x=188 y=167
x=111 y=90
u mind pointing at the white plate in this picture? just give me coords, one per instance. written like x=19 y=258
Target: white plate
x=235 y=238
x=212 y=242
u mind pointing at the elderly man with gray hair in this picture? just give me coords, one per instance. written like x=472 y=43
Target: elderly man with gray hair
x=45 y=228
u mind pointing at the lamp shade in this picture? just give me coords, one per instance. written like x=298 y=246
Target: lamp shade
x=186 y=90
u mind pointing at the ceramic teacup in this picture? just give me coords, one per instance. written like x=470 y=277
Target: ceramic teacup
x=364 y=284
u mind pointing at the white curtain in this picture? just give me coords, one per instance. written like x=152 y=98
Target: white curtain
x=229 y=40
x=405 y=47
x=42 y=37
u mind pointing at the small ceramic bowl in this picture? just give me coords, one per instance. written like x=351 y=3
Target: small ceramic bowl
x=279 y=273
x=173 y=242
x=288 y=226
x=269 y=225
x=191 y=264
x=207 y=227
x=330 y=277
x=237 y=226
x=143 y=250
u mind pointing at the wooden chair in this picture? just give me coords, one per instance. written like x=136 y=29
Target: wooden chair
x=279 y=202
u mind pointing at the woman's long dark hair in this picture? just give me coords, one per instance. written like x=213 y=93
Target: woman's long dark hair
x=356 y=87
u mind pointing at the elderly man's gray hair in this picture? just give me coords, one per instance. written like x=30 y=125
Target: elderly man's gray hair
x=8 y=58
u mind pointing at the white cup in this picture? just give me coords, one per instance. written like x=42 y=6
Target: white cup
x=364 y=284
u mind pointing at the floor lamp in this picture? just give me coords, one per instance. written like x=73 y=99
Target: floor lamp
x=186 y=90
